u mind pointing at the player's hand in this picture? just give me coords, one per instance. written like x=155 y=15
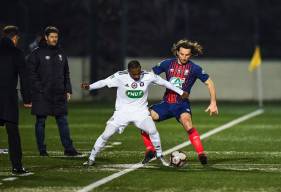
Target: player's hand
x=85 y=86
x=27 y=105
x=185 y=95
x=212 y=109
x=68 y=96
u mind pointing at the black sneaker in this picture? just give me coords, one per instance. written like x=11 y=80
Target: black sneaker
x=44 y=153
x=148 y=156
x=72 y=153
x=20 y=171
x=203 y=158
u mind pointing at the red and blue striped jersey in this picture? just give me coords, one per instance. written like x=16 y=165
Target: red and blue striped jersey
x=182 y=76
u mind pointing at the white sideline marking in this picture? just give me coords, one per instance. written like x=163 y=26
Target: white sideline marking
x=10 y=179
x=26 y=174
x=104 y=180
x=116 y=143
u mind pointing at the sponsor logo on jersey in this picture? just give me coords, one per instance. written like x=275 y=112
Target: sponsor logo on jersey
x=177 y=82
x=134 y=94
x=134 y=85
x=141 y=84
x=47 y=57
x=127 y=85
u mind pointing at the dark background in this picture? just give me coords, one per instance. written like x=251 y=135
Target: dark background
x=109 y=30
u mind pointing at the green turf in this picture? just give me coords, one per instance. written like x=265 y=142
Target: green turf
x=245 y=157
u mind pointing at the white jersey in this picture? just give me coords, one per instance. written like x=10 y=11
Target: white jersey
x=131 y=94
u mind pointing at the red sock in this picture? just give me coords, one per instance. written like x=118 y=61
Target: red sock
x=195 y=140
x=147 y=142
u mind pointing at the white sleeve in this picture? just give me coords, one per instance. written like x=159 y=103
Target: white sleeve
x=160 y=81
x=111 y=81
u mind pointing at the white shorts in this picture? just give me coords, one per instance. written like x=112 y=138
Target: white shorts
x=121 y=119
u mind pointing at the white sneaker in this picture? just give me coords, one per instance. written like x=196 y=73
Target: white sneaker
x=4 y=151
x=89 y=163
x=163 y=161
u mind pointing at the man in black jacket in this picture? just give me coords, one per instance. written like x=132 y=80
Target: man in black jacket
x=50 y=90
x=12 y=64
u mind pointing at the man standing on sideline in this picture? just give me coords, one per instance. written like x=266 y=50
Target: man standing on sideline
x=50 y=90
x=182 y=73
x=12 y=65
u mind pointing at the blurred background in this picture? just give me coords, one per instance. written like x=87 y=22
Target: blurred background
x=100 y=36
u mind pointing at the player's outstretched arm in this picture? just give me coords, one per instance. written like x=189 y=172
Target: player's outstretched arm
x=212 y=108
x=160 y=81
x=97 y=85
x=85 y=86
x=111 y=81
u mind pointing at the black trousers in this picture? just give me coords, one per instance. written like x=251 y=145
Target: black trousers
x=15 y=151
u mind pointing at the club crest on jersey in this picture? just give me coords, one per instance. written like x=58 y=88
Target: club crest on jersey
x=134 y=85
x=172 y=70
x=141 y=84
x=186 y=72
x=60 y=57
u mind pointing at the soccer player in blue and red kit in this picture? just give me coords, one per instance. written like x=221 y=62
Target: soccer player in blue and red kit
x=181 y=72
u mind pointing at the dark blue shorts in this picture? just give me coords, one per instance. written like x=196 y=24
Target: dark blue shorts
x=166 y=110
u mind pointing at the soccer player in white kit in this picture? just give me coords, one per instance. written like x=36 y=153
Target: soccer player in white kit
x=131 y=105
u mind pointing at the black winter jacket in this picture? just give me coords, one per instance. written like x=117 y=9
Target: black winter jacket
x=50 y=81
x=12 y=65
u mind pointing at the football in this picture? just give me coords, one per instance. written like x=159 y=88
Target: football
x=178 y=159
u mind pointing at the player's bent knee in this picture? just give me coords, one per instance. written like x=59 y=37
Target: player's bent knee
x=109 y=131
x=148 y=126
x=152 y=131
x=154 y=115
x=185 y=117
x=186 y=121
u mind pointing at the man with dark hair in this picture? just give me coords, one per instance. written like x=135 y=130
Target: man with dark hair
x=12 y=65
x=182 y=73
x=50 y=90
x=131 y=106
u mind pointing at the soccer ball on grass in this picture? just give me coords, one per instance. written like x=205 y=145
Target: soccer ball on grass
x=178 y=159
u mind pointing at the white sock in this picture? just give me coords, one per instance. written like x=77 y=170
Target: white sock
x=102 y=139
x=155 y=139
x=149 y=127
x=100 y=143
